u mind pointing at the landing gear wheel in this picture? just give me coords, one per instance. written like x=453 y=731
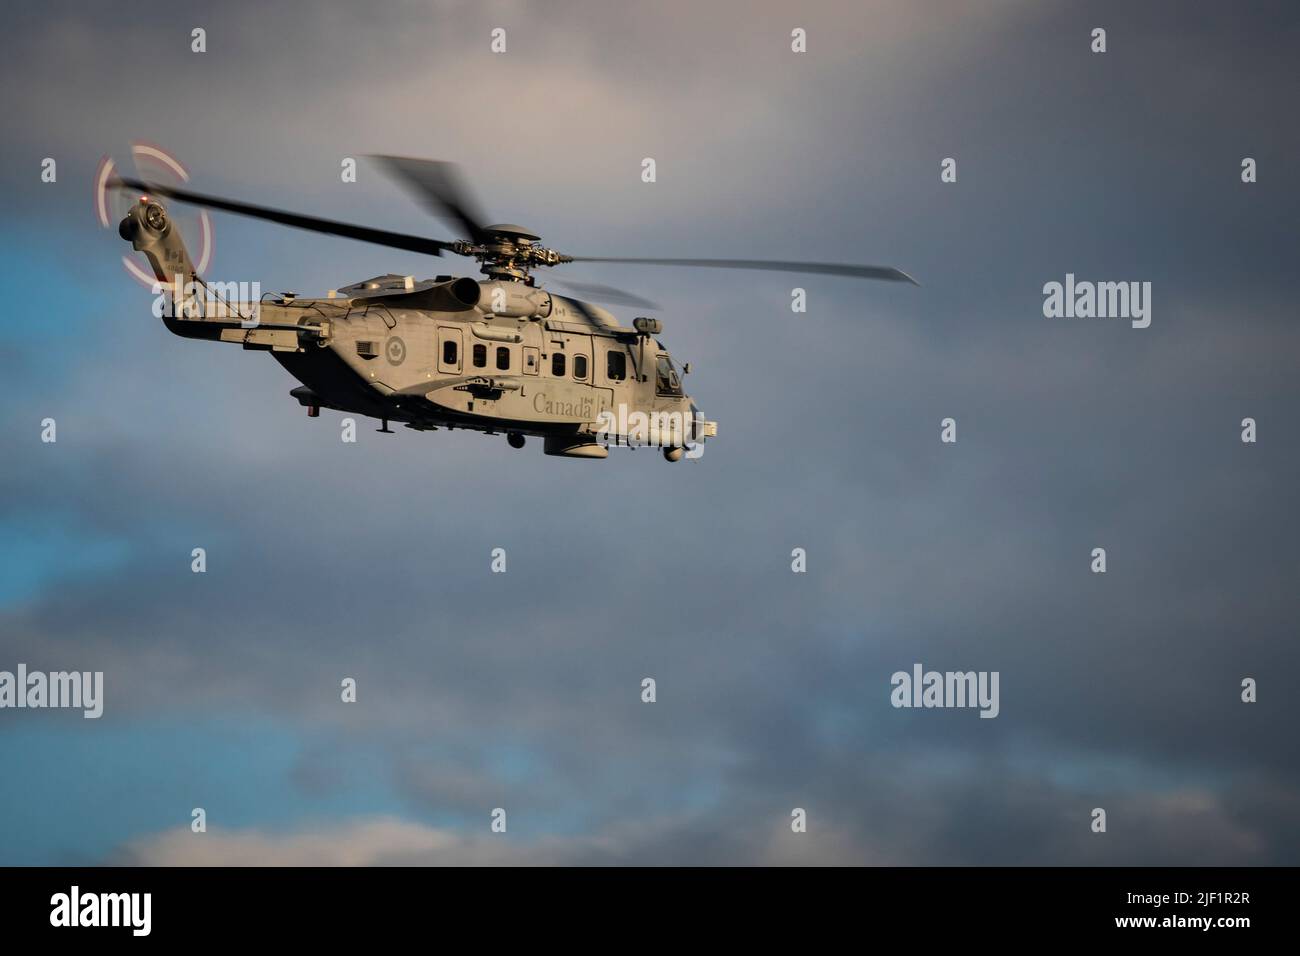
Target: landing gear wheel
x=674 y=454
x=516 y=440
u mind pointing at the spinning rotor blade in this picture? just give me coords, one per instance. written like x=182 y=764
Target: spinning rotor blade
x=330 y=227
x=604 y=293
x=771 y=265
x=440 y=187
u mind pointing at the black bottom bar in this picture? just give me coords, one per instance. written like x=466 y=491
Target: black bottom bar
x=329 y=905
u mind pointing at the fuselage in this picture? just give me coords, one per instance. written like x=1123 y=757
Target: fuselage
x=493 y=355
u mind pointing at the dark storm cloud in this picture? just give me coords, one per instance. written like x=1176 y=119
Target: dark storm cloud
x=477 y=690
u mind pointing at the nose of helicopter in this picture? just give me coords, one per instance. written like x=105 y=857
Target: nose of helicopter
x=701 y=427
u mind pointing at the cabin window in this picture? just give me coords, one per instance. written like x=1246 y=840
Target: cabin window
x=580 y=367
x=480 y=356
x=503 y=358
x=616 y=366
x=449 y=352
x=557 y=364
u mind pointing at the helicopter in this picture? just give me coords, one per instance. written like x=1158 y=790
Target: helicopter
x=496 y=355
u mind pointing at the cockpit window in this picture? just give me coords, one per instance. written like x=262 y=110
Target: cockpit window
x=666 y=380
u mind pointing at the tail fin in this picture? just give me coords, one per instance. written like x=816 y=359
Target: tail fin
x=150 y=230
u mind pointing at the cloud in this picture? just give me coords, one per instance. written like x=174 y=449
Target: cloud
x=990 y=818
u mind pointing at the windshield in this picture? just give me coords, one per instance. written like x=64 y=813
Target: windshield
x=666 y=380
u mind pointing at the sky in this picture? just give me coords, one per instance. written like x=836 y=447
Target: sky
x=523 y=690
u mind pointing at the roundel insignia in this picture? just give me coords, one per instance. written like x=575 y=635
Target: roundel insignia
x=395 y=350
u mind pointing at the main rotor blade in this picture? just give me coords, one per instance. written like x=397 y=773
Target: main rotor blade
x=330 y=227
x=772 y=265
x=439 y=185
x=605 y=293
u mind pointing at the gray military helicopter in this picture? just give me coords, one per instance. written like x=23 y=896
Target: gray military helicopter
x=496 y=355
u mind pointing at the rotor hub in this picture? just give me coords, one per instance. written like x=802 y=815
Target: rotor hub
x=509 y=251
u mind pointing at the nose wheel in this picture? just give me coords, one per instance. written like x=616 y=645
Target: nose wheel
x=515 y=439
